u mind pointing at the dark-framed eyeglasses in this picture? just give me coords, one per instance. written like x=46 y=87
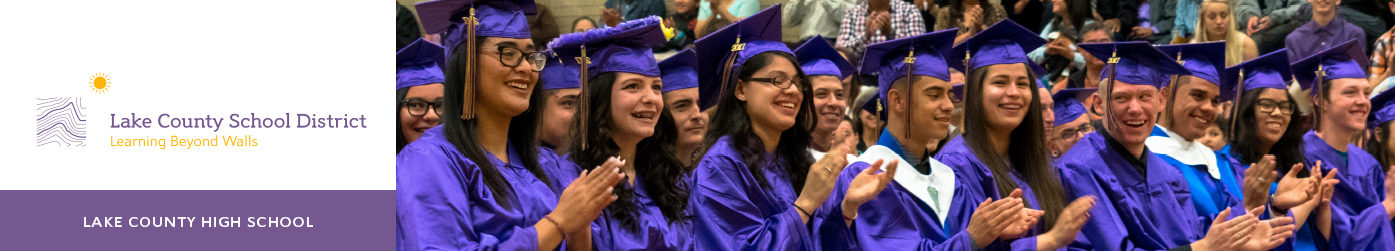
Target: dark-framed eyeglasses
x=512 y=56
x=1268 y=106
x=781 y=82
x=417 y=107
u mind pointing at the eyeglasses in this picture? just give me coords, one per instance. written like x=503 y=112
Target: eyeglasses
x=418 y=107
x=509 y=53
x=781 y=82
x=1071 y=132
x=1267 y=106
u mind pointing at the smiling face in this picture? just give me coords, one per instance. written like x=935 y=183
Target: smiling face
x=1194 y=106
x=1271 y=124
x=635 y=103
x=692 y=123
x=1134 y=109
x=829 y=102
x=1007 y=93
x=1324 y=6
x=501 y=88
x=413 y=126
x=770 y=107
x=930 y=106
x=1346 y=104
x=561 y=106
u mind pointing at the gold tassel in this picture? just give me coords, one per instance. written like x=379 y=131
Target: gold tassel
x=472 y=66
x=583 y=61
x=728 y=62
x=910 y=85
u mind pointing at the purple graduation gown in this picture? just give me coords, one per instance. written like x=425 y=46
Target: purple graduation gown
x=443 y=202
x=1134 y=212
x=897 y=219
x=654 y=231
x=981 y=184
x=1359 y=222
x=732 y=211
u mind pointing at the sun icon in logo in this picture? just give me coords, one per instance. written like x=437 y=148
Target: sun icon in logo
x=99 y=82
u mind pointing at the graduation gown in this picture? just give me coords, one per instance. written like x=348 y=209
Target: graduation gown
x=1359 y=222
x=654 y=231
x=1136 y=212
x=916 y=212
x=1210 y=175
x=981 y=184
x=732 y=211
x=443 y=202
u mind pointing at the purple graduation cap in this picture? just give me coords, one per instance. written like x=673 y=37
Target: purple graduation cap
x=816 y=57
x=627 y=47
x=922 y=55
x=492 y=18
x=1347 y=60
x=420 y=63
x=1202 y=60
x=461 y=21
x=679 y=71
x=1003 y=43
x=1135 y=62
x=559 y=73
x=1384 y=109
x=957 y=92
x=1067 y=104
x=722 y=52
x=874 y=106
x=1268 y=71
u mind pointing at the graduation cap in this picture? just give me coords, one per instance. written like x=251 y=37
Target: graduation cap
x=874 y=106
x=1384 y=109
x=922 y=55
x=1068 y=104
x=957 y=92
x=722 y=52
x=1347 y=60
x=1003 y=43
x=627 y=47
x=461 y=21
x=1202 y=60
x=559 y=73
x=816 y=57
x=1135 y=62
x=420 y=63
x=1268 y=71
x=919 y=55
x=679 y=71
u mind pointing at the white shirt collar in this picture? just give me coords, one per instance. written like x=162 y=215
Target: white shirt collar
x=1185 y=151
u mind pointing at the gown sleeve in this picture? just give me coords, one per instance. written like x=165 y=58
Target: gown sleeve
x=1105 y=228
x=434 y=197
x=726 y=218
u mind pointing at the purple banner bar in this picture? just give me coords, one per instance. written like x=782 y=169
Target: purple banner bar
x=197 y=220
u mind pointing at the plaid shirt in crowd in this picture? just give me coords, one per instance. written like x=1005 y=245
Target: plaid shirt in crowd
x=905 y=22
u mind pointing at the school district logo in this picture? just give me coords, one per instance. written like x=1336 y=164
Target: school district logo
x=61 y=122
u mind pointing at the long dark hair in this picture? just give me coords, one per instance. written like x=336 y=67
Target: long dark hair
x=464 y=135
x=1376 y=145
x=1027 y=145
x=1244 y=135
x=661 y=172
x=731 y=119
x=397 y=115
